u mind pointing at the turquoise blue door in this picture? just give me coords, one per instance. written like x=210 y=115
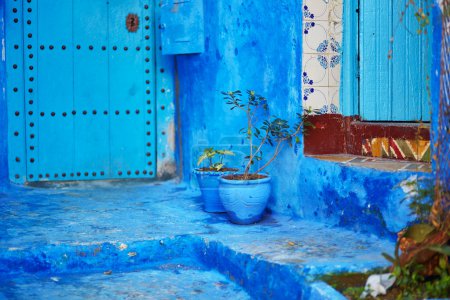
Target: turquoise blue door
x=392 y=83
x=81 y=88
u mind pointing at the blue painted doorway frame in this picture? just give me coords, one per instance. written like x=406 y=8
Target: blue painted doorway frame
x=3 y=106
x=87 y=99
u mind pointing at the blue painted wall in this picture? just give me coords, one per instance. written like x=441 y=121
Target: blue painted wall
x=435 y=78
x=249 y=45
x=362 y=199
x=440 y=136
x=3 y=115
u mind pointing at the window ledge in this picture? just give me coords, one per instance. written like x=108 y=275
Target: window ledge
x=335 y=133
x=375 y=162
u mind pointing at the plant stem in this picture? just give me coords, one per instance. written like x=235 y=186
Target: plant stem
x=252 y=156
x=277 y=151
x=249 y=133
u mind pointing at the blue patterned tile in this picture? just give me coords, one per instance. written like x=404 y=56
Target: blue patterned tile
x=324 y=109
x=307 y=92
x=316 y=9
x=335 y=46
x=334 y=109
x=315 y=38
x=322 y=48
x=306 y=79
x=306 y=13
x=335 y=60
x=308 y=26
x=323 y=61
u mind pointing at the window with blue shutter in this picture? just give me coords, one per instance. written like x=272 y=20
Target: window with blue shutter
x=182 y=27
x=392 y=84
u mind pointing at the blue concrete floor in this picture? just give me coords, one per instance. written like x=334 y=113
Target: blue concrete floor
x=63 y=217
x=165 y=281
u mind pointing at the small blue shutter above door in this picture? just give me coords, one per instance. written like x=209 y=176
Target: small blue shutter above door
x=182 y=27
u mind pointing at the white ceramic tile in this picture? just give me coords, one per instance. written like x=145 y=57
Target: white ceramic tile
x=333 y=96
x=315 y=37
x=315 y=70
x=316 y=98
x=334 y=78
x=335 y=7
x=315 y=9
x=335 y=31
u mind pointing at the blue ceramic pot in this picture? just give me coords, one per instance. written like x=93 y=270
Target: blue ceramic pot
x=245 y=200
x=208 y=182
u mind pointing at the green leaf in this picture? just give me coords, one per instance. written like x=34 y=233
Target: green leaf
x=441 y=249
x=202 y=158
x=225 y=152
x=218 y=166
x=419 y=232
x=443 y=263
x=388 y=257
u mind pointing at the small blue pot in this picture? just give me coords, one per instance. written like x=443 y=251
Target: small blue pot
x=208 y=182
x=245 y=200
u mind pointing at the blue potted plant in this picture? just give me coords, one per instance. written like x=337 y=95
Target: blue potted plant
x=208 y=176
x=245 y=195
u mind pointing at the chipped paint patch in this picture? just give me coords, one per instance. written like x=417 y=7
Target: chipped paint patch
x=165 y=105
x=170 y=145
x=123 y=246
x=167 y=169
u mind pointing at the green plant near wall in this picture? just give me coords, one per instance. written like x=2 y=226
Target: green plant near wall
x=263 y=129
x=419 y=198
x=421 y=259
x=214 y=158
